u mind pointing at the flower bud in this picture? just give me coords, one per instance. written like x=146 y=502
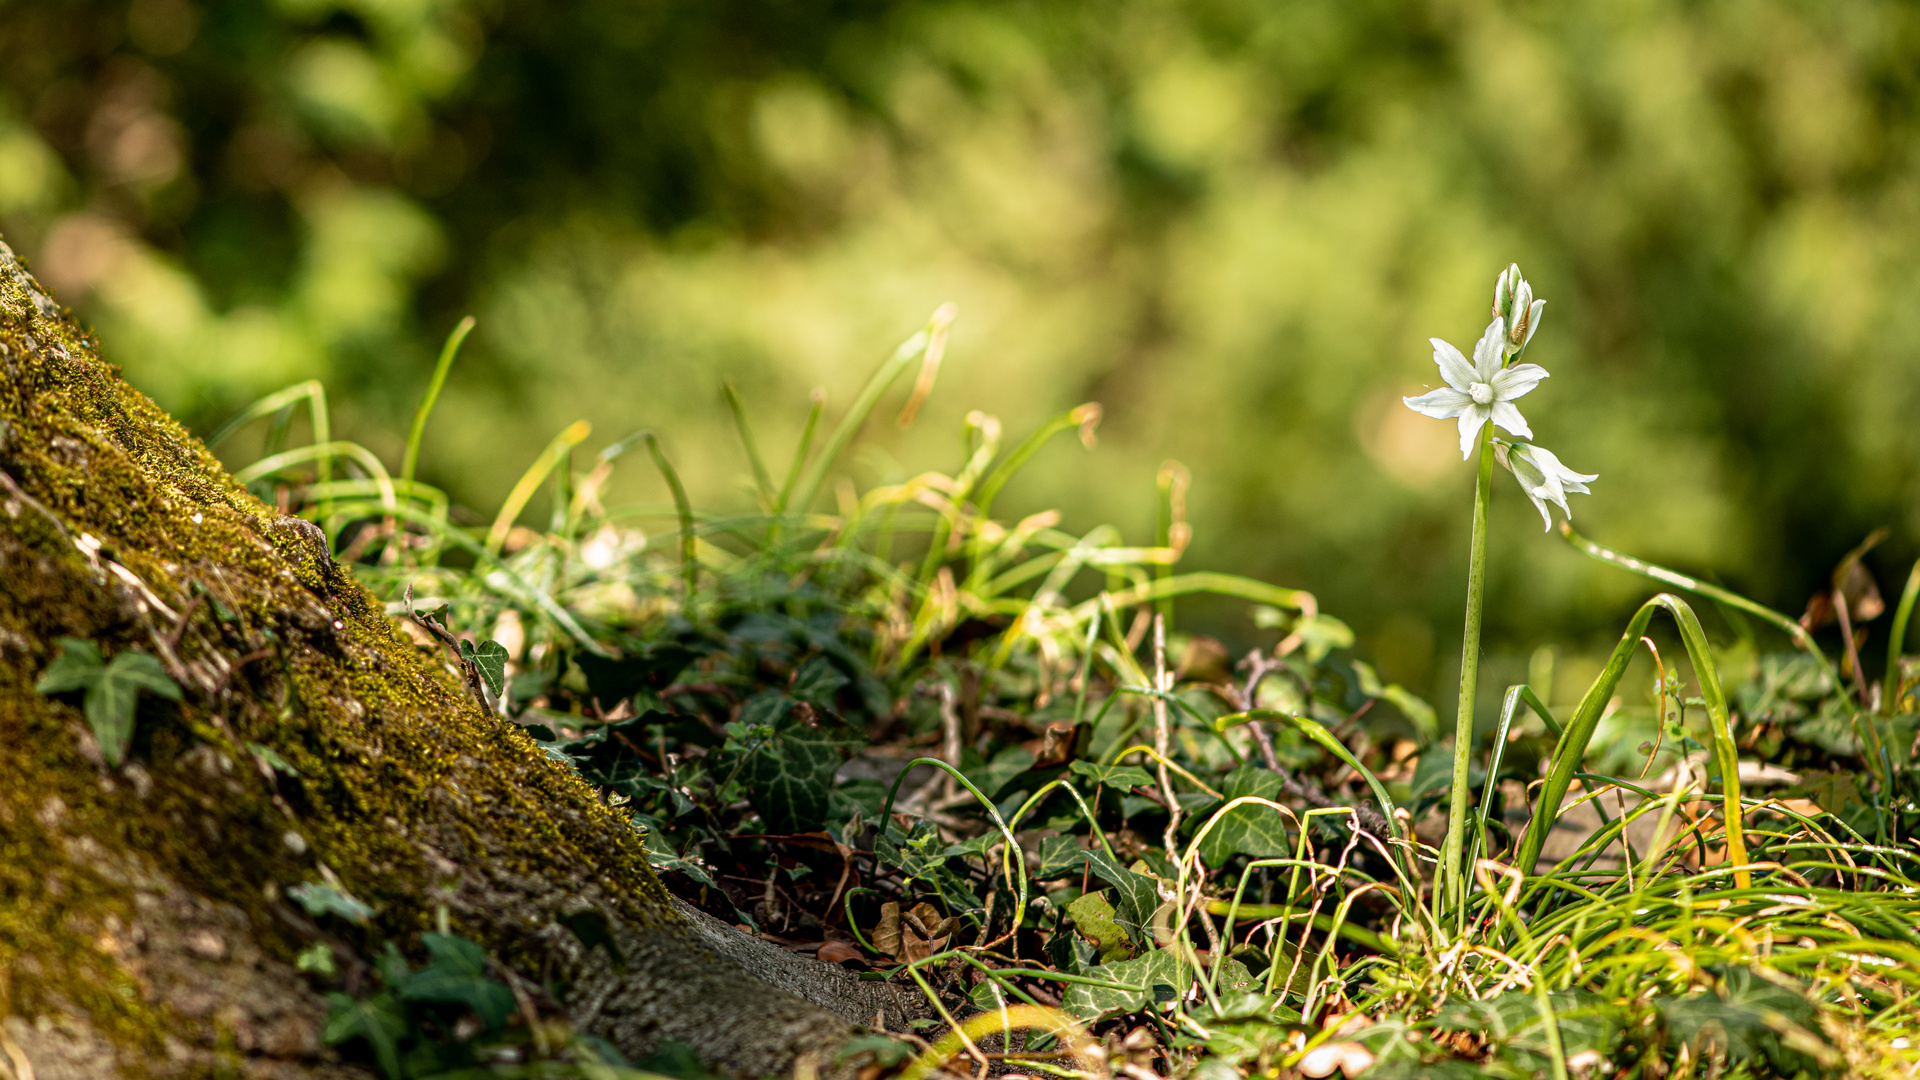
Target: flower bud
x=1514 y=305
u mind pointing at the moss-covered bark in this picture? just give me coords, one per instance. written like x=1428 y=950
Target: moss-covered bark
x=144 y=928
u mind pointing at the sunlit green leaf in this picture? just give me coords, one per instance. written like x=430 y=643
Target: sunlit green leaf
x=1249 y=829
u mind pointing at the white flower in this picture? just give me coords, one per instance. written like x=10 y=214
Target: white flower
x=1481 y=391
x=1515 y=307
x=1542 y=476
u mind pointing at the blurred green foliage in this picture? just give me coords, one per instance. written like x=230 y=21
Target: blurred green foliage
x=1232 y=223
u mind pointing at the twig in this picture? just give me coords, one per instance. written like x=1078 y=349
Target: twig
x=467 y=667
x=1162 y=736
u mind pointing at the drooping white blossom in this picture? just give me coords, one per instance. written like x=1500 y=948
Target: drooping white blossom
x=1481 y=391
x=1542 y=476
x=1517 y=310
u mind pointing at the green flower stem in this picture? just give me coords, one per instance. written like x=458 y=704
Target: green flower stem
x=1453 y=881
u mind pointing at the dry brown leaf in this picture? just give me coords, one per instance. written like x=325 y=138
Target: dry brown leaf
x=839 y=952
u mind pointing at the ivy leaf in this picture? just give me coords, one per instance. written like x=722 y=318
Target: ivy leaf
x=1152 y=973
x=1093 y=917
x=996 y=774
x=1136 y=895
x=818 y=681
x=1121 y=778
x=112 y=689
x=789 y=776
x=319 y=900
x=78 y=667
x=457 y=975
x=650 y=667
x=490 y=659
x=1249 y=829
x=1059 y=856
x=377 y=1020
x=1157 y=976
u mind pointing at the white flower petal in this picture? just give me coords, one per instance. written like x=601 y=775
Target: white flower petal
x=1442 y=404
x=1453 y=367
x=1490 y=352
x=1471 y=421
x=1505 y=414
x=1546 y=519
x=1533 y=319
x=1544 y=478
x=1517 y=380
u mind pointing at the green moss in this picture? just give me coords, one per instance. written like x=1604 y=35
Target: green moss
x=391 y=752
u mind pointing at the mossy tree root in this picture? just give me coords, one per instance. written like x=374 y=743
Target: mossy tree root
x=144 y=929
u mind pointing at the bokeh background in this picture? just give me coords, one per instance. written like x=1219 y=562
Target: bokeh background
x=1232 y=222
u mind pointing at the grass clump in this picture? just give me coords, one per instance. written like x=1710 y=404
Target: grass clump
x=974 y=755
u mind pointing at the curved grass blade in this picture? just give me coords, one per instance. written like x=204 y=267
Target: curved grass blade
x=1579 y=732
x=762 y=480
x=420 y=415
x=324 y=453
x=863 y=406
x=1898 y=639
x=1787 y=625
x=801 y=450
x=1210 y=581
x=1084 y=417
x=689 y=542
x=315 y=396
x=530 y=482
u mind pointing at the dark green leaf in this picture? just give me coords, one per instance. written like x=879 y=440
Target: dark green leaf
x=490 y=659
x=454 y=954
x=996 y=774
x=112 y=689
x=882 y=1050
x=1060 y=855
x=789 y=778
x=490 y=1000
x=818 y=682
x=76 y=668
x=109 y=711
x=594 y=931
x=377 y=1020
x=651 y=667
x=137 y=669
x=1120 y=778
x=1157 y=976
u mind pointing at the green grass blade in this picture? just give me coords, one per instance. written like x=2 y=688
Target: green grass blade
x=1579 y=731
x=1787 y=625
x=323 y=454
x=420 y=415
x=315 y=396
x=530 y=482
x=801 y=450
x=689 y=542
x=1203 y=581
x=1898 y=639
x=863 y=406
x=762 y=480
x=1508 y=708
x=272 y=403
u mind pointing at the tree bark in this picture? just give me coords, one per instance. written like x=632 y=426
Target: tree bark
x=145 y=927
